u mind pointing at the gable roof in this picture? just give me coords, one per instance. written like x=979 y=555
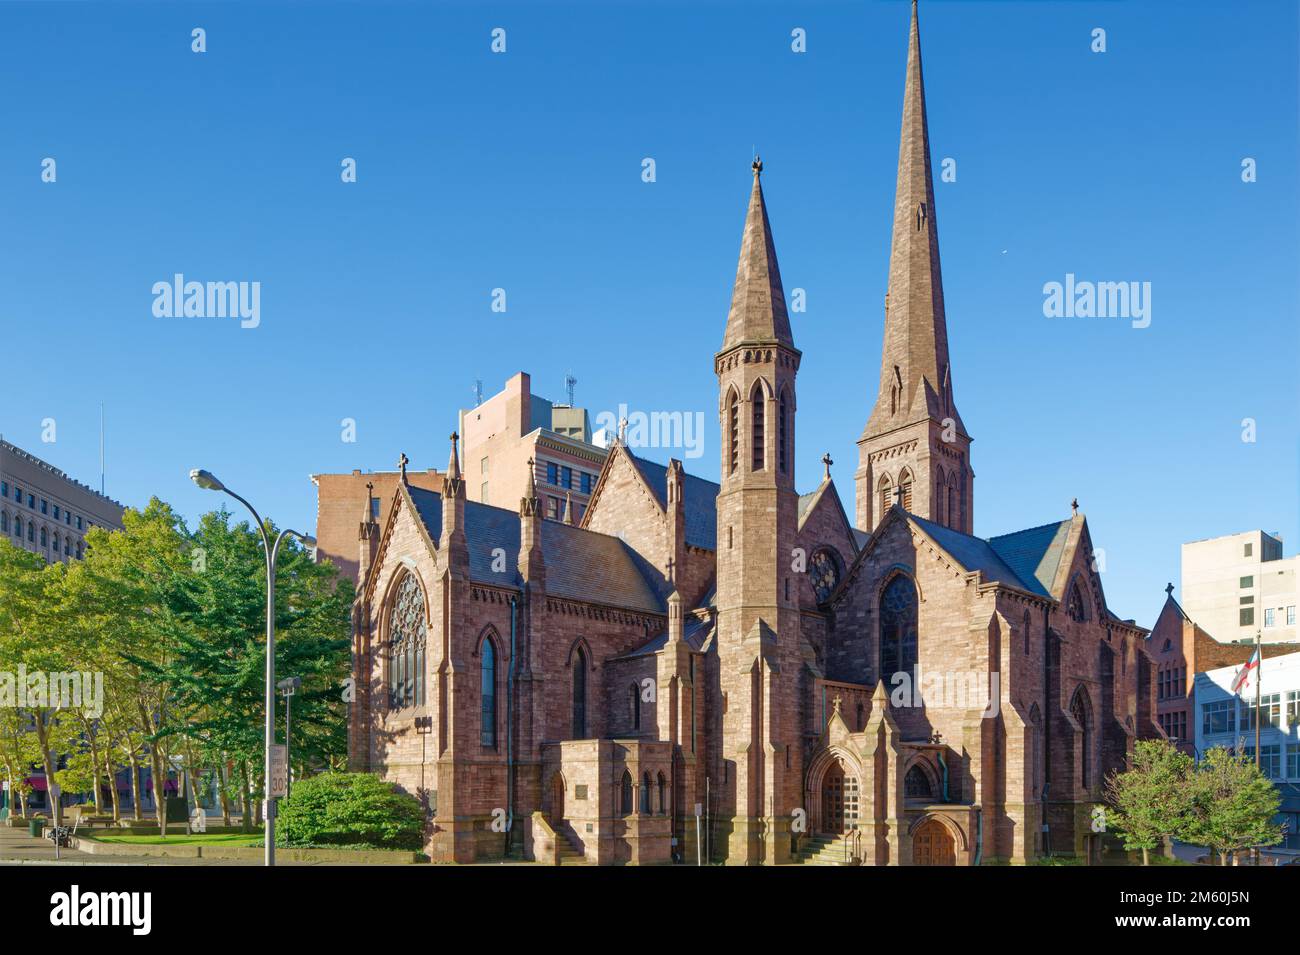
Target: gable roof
x=580 y=564
x=699 y=497
x=977 y=554
x=1034 y=553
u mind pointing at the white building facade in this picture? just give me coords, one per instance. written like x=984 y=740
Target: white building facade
x=1223 y=719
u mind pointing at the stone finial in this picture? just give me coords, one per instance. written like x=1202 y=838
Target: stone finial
x=453 y=464
x=1074 y=507
x=1169 y=589
x=402 y=462
x=826 y=460
x=757 y=165
x=898 y=495
x=568 y=507
x=622 y=430
x=837 y=703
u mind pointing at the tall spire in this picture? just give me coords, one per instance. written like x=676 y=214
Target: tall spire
x=758 y=311
x=915 y=379
x=915 y=439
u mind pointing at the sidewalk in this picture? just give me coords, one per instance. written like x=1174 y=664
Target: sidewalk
x=18 y=848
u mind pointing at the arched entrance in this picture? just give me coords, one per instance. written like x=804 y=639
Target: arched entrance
x=557 y=801
x=932 y=844
x=839 y=799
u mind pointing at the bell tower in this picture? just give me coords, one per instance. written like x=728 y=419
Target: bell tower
x=914 y=438
x=758 y=618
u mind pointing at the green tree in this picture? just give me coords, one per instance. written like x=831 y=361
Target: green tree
x=119 y=604
x=1150 y=800
x=1232 y=805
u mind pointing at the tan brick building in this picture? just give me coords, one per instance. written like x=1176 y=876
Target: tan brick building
x=515 y=431
x=899 y=692
x=45 y=511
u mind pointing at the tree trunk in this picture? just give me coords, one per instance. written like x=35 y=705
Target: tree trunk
x=245 y=823
x=47 y=761
x=135 y=785
x=113 y=794
x=94 y=761
x=223 y=770
x=1146 y=858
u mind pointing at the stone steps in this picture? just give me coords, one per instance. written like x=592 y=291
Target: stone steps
x=823 y=850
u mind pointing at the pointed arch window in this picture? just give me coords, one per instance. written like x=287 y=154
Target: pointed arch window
x=954 y=501
x=783 y=434
x=1082 y=713
x=1028 y=626
x=663 y=794
x=625 y=804
x=488 y=694
x=940 y=497
x=756 y=437
x=898 y=625
x=886 y=491
x=916 y=784
x=1075 y=607
x=905 y=482
x=733 y=431
x=645 y=794
x=407 y=637
x=579 y=694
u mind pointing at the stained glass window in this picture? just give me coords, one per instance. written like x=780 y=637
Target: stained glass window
x=407 y=635
x=898 y=628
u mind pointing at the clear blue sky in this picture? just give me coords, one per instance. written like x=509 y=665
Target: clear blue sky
x=522 y=171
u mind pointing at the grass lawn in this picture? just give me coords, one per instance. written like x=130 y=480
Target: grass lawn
x=181 y=839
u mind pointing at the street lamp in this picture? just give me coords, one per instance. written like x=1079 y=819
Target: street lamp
x=288 y=687
x=209 y=482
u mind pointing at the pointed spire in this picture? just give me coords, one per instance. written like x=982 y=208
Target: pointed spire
x=568 y=508
x=758 y=312
x=915 y=379
x=453 y=464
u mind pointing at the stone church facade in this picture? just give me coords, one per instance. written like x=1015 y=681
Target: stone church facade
x=735 y=672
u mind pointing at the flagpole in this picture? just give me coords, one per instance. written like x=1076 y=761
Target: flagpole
x=1260 y=654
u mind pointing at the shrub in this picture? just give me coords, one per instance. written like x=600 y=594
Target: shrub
x=350 y=809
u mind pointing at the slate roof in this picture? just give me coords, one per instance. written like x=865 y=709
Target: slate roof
x=580 y=564
x=694 y=631
x=700 y=498
x=1034 y=553
x=805 y=501
x=975 y=553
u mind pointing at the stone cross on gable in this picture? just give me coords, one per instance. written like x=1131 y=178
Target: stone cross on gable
x=1074 y=506
x=898 y=495
x=671 y=564
x=826 y=460
x=622 y=430
x=402 y=462
x=1169 y=589
x=836 y=703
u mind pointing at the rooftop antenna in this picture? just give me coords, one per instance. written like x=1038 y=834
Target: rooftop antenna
x=570 y=383
x=478 y=392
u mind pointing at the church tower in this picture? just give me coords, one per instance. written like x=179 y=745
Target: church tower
x=914 y=437
x=758 y=618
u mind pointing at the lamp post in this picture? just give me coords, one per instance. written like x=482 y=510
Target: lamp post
x=209 y=482
x=288 y=687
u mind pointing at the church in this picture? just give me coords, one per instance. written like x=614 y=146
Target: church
x=739 y=673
